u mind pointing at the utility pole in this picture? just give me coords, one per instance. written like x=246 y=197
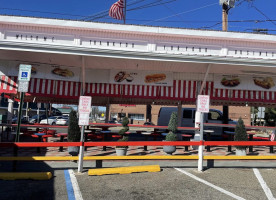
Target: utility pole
x=225 y=17
x=225 y=109
x=226 y=6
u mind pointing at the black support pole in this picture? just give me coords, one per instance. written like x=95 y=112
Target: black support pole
x=19 y=116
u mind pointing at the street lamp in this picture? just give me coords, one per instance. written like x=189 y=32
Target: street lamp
x=230 y=3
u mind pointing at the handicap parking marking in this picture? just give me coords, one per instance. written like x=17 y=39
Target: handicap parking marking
x=210 y=184
x=266 y=189
x=72 y=186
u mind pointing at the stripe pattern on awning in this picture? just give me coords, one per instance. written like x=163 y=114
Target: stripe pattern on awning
x=182 y=90
x=8 y=85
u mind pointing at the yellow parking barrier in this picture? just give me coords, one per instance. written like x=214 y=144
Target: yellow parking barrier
x=124 y=170
x=25 y=175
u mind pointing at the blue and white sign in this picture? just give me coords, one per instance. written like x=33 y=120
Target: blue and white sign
x=24 y=72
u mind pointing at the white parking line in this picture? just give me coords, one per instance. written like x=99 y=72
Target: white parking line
x=266 y=189
x=75 y=185
x=211 y=185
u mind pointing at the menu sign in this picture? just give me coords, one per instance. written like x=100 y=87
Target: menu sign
x=141 y=77
x=259 y=83
x=53 y=72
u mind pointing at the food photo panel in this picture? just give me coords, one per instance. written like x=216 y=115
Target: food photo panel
x=234 y=82
x=141 y=77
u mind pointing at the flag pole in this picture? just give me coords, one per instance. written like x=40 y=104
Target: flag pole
x=125 y=12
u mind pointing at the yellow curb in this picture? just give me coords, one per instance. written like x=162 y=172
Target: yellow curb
x=124 y=170
x=25 y=175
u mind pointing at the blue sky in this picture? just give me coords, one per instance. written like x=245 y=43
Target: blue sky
x=200 y=14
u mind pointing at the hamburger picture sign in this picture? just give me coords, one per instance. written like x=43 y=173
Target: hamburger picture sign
x=141 y=77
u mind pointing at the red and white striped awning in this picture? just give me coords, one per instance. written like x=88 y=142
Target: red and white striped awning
x=182 y=90
x=8 y=85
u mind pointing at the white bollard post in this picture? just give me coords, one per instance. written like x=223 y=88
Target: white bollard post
x=200 y=148
x=81 y=153
x=200 y=158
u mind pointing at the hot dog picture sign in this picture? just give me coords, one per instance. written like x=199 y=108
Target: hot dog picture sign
x=141 y=77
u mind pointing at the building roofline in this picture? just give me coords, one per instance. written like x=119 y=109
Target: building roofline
x=142 y=29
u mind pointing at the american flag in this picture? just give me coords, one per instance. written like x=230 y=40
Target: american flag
x=272 y=137
x=116 y=11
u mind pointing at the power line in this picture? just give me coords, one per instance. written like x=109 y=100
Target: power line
x=263 y=14
x=207 y=27
x=147 y=5
x=183 y=12
x=136 y=5
x=100 y=14
x=201 y=21
x=152 y=5
x=67 y=14
x=104 y=12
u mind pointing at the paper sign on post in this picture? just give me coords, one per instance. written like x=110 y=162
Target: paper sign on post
x=203 y=102
x=84 y=119
x=23 y=86
x=84 y=110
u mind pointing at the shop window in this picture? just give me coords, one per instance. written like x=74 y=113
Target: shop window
x=136 y=116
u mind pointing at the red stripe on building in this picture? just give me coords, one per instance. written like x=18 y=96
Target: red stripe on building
x=35 y=85
x=179 y=88
x=184 y=89
x=194 y=90
x=174 y=89
x=189 y=89
x=40 y=85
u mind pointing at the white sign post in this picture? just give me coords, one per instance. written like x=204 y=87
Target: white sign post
x=84 y=111
x=24 y=72
x=203 y=102
x=24 y=76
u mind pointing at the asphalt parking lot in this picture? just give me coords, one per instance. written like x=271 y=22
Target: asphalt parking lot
x=169 y=183
x=177 y=183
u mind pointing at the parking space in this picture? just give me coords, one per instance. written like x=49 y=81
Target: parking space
x=169 y=183
x=178 y=183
